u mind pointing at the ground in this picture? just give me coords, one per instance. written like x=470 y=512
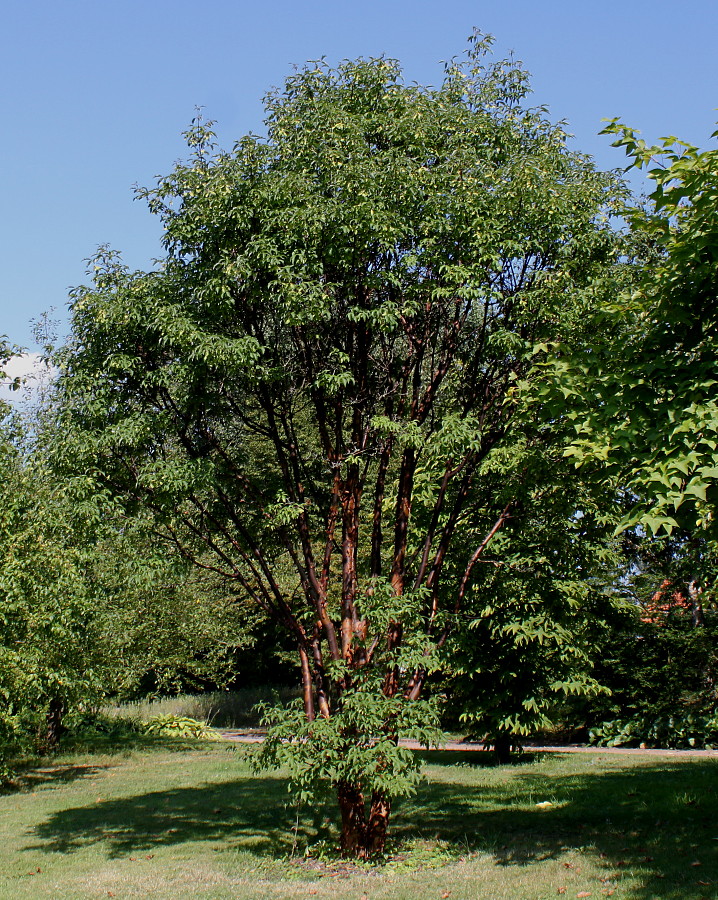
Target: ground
x=181 y=821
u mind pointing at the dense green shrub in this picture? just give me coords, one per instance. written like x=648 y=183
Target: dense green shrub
x=677 y=732
x=662 y=672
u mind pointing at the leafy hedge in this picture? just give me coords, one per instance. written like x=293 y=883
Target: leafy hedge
x=676 y=732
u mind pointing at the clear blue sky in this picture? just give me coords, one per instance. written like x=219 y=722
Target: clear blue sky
x=96 y=94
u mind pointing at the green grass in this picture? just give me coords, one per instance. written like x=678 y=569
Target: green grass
x=159 y=822
x=222 y=709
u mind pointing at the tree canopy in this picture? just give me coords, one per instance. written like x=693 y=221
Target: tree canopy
x=644 y=402
x=313 y=391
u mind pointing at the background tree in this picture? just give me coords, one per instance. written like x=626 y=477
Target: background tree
x=307 y=390
x=659 y=655
x=44 y=606
x=647 y=410
x=90 y=606
x=540 y=597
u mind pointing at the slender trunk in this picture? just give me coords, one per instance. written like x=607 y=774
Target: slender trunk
x=307 y=685
x=403 y=512
x=376 y=531
x=321 y=681
x=694 y=592
x=351 y=498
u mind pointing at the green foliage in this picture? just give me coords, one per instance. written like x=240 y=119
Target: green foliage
x=687 y=731
x=538 y=601
x=46 y=647
x=644 y=400
x=660 y=669
x=358 y=744
x=311 y=395
x=221 y=709
x=658 y=655
x=90 y=604
x=161 y=625
x=86 y=727
x=179 y=726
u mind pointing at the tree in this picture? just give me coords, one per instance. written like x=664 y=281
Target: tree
x=659 y=654
x=645 y=406
x=538 y=601
x=45 y=644
x=308 y=391
x=90 y=607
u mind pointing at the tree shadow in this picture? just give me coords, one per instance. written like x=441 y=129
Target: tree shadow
x=656 y=821
x=251 y=813
x=659 y=820
x=36 y=776
x=474 y=759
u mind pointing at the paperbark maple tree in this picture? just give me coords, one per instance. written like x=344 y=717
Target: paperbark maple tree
x=306 y=389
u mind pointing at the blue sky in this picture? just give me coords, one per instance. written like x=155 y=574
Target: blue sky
x=96 y=95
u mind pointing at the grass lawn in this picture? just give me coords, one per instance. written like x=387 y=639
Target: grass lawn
x=194 y=822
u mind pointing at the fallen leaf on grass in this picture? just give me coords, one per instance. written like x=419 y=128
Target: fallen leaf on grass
x=149 y=856
x=696 y=863
x=704 y=883
x=561 y=891
x=583 y=894
x=445 y=894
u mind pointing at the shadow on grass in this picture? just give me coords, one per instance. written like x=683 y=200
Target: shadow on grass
x=474 y=759
x=113 y=744
x=250 y=813
x=658 y=821
x=33 y=776
x=655 y=821
x=32 y=772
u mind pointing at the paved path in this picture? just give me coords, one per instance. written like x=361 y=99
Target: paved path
x=257 y=736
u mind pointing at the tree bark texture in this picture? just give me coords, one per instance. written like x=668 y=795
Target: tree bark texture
x=362 y=837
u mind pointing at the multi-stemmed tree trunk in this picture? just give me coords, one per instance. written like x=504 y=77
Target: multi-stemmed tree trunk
x=309 y=389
